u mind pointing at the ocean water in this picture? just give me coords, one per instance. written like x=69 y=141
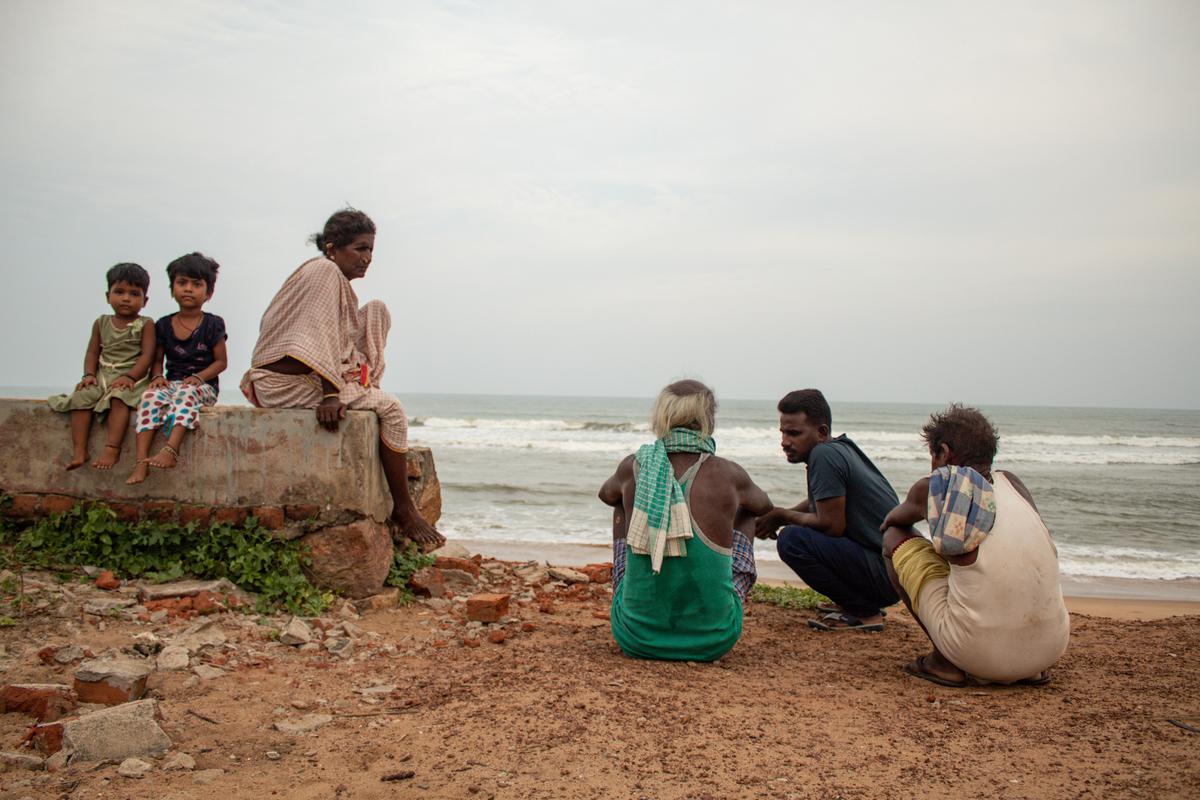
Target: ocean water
x=1118 y=488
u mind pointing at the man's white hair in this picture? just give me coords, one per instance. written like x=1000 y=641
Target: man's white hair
x=684 y=404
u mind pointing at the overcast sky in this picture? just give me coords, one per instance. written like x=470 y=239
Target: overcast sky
x=996 y=203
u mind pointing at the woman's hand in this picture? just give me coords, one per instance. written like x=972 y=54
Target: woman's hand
x=123 y=383
x=330 y=413
x=158 y=382
x=193 y=380
x=88 y=380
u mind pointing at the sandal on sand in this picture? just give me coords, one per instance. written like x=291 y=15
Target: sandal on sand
x=840 y=621
x=1040 y=679
x=916 y=668
x=834 y=608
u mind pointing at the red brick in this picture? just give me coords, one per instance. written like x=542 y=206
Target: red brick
x=528 y=627
x=546 y=606
x=230 y=515
x=107 y=581
x=58 y=503
x=47 y=738
x=470 y=642
x=206 y=602
x=270 y=517
x=46 y=654
x=197 y=514
x=298 y=513
x=465 y=564
x=24 y=506
x=497 y=635
x=599 y=573
x=126 y=512
x=487 y=607
x=46 y=702
x=159 y=510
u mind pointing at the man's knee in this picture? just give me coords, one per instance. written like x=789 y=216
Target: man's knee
x=794 y=544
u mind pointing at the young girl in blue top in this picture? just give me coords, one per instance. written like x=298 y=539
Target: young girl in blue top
x=193 y=343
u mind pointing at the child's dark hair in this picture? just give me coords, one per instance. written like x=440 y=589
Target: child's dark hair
x=968 y=433
x=131 y=274
x=197 y=266
x=341 y=229
x=809 y=402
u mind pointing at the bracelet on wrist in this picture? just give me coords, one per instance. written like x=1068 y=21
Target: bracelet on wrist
x=328 y=395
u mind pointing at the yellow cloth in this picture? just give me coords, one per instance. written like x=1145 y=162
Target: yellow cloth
x=915 y=563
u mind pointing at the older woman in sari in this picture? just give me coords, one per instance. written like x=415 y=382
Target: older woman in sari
x=318 y=349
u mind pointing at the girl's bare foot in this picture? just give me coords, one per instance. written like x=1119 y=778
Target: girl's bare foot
x=167 y=458
x=140 y=472
x=110 y=456
x=78 y=460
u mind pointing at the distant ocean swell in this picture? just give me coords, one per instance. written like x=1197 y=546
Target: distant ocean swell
x=754 y=442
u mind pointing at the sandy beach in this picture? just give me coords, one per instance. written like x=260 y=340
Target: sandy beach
x=555 y=711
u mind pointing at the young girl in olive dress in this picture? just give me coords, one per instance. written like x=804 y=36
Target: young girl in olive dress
x=114 y=368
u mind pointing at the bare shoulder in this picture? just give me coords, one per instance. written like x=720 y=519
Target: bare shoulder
x=1020 y=486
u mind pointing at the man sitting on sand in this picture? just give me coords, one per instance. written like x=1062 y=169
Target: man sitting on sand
x=985 y=585
x=832 y=537
x=681 y=570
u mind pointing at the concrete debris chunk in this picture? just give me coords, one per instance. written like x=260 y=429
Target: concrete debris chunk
x=180 y=761
x=341 y=647
x=568 y=575
x=106 y=606
x=189 y=588
x=451 y=550
x=201 y=635
x=296 y=633
x=173 y=657
x=22 y=760
x=112 y=680
x=459 y=581
x=305 y=724
x=133 y=768
x=129 y=730
x=206 y=672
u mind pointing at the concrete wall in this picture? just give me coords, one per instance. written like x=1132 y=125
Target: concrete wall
x=274 y=463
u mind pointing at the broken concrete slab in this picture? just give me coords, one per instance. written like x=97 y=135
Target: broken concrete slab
x=114 y=734
x=568 y=575
x=189 y=588
x=112 y=680
x=199 y=636
x=22 y=760
x=105 y=606
x=207 y=673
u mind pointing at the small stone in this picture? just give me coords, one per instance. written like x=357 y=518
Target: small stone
x=207 y=776
x=296 y=633
x=388 y=598
x=173 y=657
x=497 y=635
x=340 y=647
x=458 y=581
x=180 y=761
x=451 y=550
x=133 y=768
x=69 y=654
x=147 y=643
x=207 y=673
x=305 y=724
x=273 y=756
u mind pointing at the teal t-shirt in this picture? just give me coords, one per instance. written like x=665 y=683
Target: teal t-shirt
x=837 y=468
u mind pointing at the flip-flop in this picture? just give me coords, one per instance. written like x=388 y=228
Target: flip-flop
x=1037 y=680
x=916 y=668
x=834 y=608
x=848 y=623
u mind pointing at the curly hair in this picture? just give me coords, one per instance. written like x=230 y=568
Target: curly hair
x=968 y=433
x=342 y=228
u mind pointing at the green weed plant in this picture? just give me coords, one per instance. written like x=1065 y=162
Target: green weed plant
x=405 y=564
x=248 y=555
x=787 y=596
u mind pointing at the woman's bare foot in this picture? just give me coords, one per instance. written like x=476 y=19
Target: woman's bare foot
x=167 y=458
x=78 y=460
x=415 y=527
x=110 y=456
x=140 y=472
